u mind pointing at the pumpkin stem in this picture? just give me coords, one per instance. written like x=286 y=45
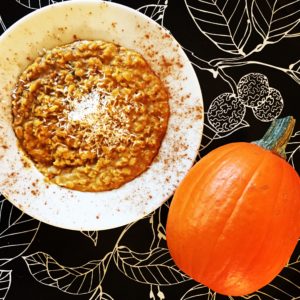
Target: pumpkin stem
x=278 y=135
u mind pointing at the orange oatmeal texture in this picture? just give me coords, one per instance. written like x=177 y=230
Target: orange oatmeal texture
x=91 y=115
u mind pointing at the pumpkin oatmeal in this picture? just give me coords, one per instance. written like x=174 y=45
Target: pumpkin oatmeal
x=91 y=115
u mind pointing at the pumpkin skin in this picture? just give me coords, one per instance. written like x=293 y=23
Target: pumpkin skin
x=234 y=220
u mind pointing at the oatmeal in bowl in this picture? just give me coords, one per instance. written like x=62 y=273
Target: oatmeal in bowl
x=90 y=114
x=101 y=115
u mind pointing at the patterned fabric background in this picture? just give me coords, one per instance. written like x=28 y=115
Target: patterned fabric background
x=231 y=44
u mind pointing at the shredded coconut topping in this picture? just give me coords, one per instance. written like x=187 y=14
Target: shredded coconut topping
x=100 y=117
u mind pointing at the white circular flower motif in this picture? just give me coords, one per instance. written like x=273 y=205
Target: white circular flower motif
x=226 y=112
x=271 y=108
x=253 y=89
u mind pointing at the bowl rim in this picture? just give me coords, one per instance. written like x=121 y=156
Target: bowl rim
x=140 y=15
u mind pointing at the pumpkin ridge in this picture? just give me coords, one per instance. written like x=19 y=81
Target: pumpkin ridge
x=234 y=209
x=296 y=211
x=191 y=187
x=233 y=152
x=273 y=207
x=207 y=166
x=271 y=221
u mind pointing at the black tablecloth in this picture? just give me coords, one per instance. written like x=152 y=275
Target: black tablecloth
x=225 y=40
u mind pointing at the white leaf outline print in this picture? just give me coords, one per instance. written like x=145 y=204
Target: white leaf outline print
x=155 y=11
x=92 y=235
x=263 y=13
x=158 y=258
x=49 y=272
x=234 y=44
x=36 y=4
x=293 y=33
x=5 y=283
x=273 y=289
x=217 y=67
x=17 y=231
x=198 y=291
x=100 y=295
x=154 y=267
x=33 y=4
x=293 y=147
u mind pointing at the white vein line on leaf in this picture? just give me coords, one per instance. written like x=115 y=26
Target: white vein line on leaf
x=261 y=14
x=234 y=10
x=209 y=22
x=236 y=46
x=238 y=26
x=206 y=2
x=287 y=16
x=205 y=11
x=282 y=291
x=224 y=5
x=289 y=281
x=283 y=6
x=14 y=233
x=162 y=275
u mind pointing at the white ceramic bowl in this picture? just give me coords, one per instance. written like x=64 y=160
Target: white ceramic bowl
x=87 y=19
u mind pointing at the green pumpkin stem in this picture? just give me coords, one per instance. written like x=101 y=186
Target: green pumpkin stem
x=278 y=135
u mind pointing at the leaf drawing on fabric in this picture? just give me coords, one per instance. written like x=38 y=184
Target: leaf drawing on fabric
x=225 y=23
x=155 y=11
x=17 y=231
x=153 y=267
x=100 y=295
x=5 y=282
x=79 y=280
x=33 y=4
x=157 y=227
x=92 y=235
x=294 y=71
x=274 y=19
x=293 y=33
x=284 y=286
x=2 y=25
x=198 y=291
x=293 y=147
x=36 y=4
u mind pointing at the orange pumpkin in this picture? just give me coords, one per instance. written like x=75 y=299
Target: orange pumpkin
x=235 y=219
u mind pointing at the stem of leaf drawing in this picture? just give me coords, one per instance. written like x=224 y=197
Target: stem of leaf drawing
x=229 y=80
x=206 y=145
x=293 y=74
x=200 y=63
x=110 y=254
x=253 y=62
x=151 y=220
x=220 y=61
x=96 y=291
x=291 y=156
x=118 y=241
